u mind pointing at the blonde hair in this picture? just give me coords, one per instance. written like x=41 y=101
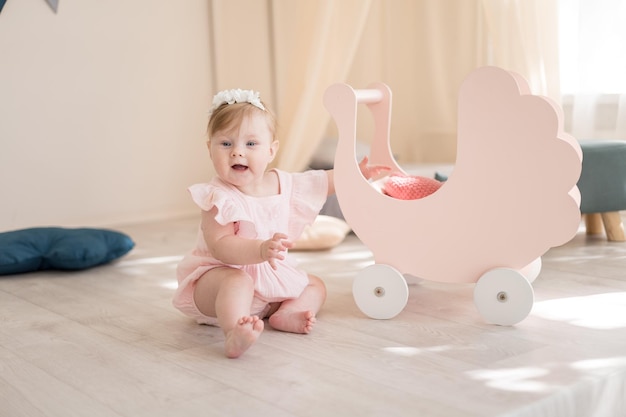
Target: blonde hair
x=228 y=117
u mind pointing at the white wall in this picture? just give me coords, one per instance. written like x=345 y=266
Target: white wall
x=103 y=109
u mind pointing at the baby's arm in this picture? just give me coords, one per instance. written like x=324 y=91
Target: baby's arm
x=368 y=171
x=229 y=248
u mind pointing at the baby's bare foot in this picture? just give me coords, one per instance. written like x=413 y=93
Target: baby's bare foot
x=243 y=335
x=293 y=321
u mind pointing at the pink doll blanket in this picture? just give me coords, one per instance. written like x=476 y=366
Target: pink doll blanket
x=409 y=187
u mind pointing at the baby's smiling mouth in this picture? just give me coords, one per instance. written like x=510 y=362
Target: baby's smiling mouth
x=239 y=167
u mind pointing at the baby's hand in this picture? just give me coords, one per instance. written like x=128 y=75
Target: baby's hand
x=370 y=171
x=271 y=249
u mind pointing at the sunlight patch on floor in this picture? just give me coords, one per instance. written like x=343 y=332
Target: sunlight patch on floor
x=413 y=351
x=333 y=256
x=151 y=261
x=143 y=266
x=600 y=365
x=170 y=284
x=521 y=379
x=599 y=311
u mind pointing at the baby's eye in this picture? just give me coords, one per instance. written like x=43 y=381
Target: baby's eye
x=251 y=143
x=225 y=144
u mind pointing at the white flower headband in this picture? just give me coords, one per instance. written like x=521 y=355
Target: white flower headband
x=237 y=96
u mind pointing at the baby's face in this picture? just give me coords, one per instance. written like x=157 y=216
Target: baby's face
x=241 y=156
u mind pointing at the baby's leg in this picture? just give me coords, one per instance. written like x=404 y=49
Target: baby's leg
x=226 y=293
x=298 y=315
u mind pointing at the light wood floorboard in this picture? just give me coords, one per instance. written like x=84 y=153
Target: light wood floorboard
x=107 y=342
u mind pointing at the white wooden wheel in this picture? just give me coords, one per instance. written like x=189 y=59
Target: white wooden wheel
x=503 y=296
x=532 y=270
x=380 y=291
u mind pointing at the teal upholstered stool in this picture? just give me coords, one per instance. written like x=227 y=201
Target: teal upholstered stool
x=602 y=186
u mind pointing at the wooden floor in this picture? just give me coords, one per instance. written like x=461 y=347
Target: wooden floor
x=106 y=342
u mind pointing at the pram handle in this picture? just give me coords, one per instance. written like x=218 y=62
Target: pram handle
x=368 y=96
x=341 y=101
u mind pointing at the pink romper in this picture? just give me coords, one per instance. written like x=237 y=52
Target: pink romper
x=300 y=200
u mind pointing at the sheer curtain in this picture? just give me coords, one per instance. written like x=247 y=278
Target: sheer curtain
x=592 y=34
x=326 y=34
x=523 y=37
x=423 y=49
x=289 y=51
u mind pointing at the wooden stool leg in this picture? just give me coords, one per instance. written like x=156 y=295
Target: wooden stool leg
x=613 y=226
x=593 y=223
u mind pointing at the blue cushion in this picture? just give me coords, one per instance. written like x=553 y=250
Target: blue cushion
x=44 y=248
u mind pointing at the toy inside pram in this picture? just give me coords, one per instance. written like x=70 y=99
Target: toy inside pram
x=511 y=196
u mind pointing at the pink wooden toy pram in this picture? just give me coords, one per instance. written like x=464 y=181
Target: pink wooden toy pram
x=511 y=196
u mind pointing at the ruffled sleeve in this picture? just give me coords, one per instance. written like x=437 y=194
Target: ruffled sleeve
x=200 y=195
x=229 y=207
x=309 y=193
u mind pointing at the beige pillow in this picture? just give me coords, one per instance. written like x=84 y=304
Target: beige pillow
x=326 y=232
